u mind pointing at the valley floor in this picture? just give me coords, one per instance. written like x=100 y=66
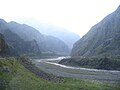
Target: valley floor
x=51 y=66
x=18 y=75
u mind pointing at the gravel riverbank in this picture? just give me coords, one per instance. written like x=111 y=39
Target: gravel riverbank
x=50 y=66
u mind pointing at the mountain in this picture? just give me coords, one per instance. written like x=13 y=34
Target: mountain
x=56 y=45
x=102 y=39
x=4 y=50
x=17 y=45
x=26 y=32
x=47 y=44
x=68 y=37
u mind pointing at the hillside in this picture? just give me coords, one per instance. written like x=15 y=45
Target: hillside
x=4 y=49
x=18 y=74
x=56 y=46
x=47 y=44
x=102 y=39
x=18 y=46
x=68 y=37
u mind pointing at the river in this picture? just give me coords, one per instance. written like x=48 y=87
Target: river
x=51 y=66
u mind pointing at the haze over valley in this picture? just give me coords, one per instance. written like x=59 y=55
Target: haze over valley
x=60 y=45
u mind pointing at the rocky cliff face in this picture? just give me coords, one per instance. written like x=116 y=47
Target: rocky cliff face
x=102 y=39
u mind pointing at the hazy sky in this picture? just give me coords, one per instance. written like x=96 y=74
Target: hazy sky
x=75 y=15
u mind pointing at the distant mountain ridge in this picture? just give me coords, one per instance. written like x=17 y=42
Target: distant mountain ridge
x=102 y=39
x=18 y=46
x=68 y=37
x=47 y=44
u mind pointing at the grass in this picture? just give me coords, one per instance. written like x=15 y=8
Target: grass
x=14 y=76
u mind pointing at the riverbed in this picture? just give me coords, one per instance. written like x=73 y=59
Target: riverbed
x=51 y=66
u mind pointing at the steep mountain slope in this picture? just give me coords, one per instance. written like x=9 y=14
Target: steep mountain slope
x=17 y=45
x=46 y=43
x=69 y=38
x=4 y=50
x=102 y=39
x=26 y=32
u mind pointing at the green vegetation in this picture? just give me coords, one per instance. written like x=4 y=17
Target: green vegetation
x=14 y=76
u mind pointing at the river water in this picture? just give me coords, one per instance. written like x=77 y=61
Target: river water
x=52 y=66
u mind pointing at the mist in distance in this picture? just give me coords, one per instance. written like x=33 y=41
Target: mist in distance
x=77 y=16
